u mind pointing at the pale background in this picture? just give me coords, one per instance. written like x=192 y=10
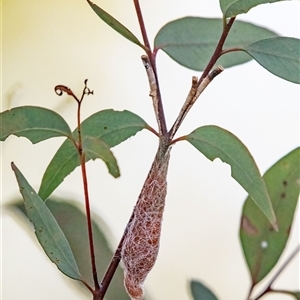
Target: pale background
x=46 y=43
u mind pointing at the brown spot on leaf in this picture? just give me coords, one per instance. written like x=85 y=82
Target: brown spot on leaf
x=248 y=227
x=271 y=229
x=283 y=195
x=284 y=182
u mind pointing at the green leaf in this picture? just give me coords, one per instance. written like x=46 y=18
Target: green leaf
x=95 y=148
x=232 y=8
x=48 y=232
x=115 y=24
x=201 y=292
x=35 y=123
x=261 y=245
x=111 y=127
x=72 y=220
x=65 y=160
x=295 y=294
x=215 y=142
x=279 y=55
x=191 y=41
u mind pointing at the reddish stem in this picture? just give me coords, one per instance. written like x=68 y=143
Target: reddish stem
x=151 y=56
x=109 y=274
x=217 y=53
x=89 y=223
x=142 y=26
x=235 y=49
x=59 y=89
x=218 y=50
x=87 y=202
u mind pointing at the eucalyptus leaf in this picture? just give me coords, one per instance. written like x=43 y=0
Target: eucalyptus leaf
x=95 y=148
x=262 y=246
x=115 y=24
x=65 y=160
x=72 y=219
x=215 y=142
x=279 y=55
x=47 y=230
x=232 y=8
x=191 y=41
x=111 y=127
x=33 y=122
x=201 y=292
x=296 y=295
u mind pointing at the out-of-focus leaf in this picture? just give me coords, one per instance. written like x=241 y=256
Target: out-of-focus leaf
x=115 y=24
x=47 y=230
x=296 y=295
x=232 y=8
x=201 y=292
x=191 y=41
x=72 y=221
x=95 y=148
x=215 y=142
x=279 y=55
x=112 y=127
x=263 y=246
x=35 y=123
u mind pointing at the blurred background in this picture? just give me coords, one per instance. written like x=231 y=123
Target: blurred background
x=46 y=43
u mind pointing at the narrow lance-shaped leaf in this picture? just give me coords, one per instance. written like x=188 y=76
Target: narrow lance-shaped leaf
x=33 y=122
x=263 y=246
x=201 y=292
x=215 y=142
x=111 y=127
x=279 y=55
x=190 y=41
x=115 y=24
x=232 y=8
x=48 y=232
x=95 y=148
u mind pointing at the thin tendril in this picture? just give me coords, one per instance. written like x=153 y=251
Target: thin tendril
x=60 y=89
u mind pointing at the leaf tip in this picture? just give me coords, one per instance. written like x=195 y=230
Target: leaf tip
x=13 y=166
x=275 y=226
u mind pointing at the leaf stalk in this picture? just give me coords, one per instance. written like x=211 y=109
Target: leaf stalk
x=268 y=288
x=86 y=91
